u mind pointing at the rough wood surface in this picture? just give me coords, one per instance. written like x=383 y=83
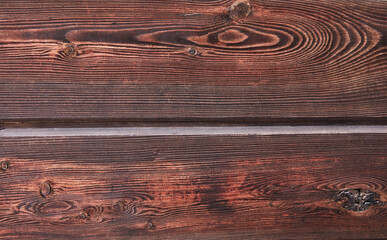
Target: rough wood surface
x=175 y=66
x=184 y=59
x=194 y=187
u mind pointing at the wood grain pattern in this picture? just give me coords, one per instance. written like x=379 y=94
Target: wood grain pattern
x=194 y=187
x=182 y=59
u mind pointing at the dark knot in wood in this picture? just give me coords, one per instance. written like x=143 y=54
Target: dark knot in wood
x=4 y=165
x=357 y=200
x=239 y=10
x=83 y=216
x=119 y=206
x=69 y=50
x=193 y=51
x=149 y=225
x=45 y=189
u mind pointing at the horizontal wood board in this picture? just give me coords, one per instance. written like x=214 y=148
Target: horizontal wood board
x=192 y=187
x=192 y=60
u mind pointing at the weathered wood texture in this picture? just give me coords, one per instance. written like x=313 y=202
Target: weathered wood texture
x=186 y=59
x=194 y=187
x=156 y=62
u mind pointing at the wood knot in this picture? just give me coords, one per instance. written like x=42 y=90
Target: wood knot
x=92 y=211
x=45 y=189
x=149 y=225
x=119 y=206
x=239 y=10
x=193 y=51
x=83 y=216
x=357 y=200
x=69 y=50
x=4 y=165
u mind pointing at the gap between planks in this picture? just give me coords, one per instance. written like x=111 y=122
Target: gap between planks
x=186 y=131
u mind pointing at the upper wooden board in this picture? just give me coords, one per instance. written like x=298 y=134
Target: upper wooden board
x=184 y=59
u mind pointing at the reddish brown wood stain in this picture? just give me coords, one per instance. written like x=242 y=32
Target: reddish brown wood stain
x=178 y=187
x=190 y=63
x=192 y=60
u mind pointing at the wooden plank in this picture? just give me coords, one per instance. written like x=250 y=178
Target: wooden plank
x=192 y=60
x=188 y=131
x=308 y=186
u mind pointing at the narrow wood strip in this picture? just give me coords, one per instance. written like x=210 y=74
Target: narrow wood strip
x=180 y=122
x=187 y=131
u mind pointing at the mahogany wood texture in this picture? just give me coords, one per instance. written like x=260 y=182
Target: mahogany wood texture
x=193 y=187
x=192 y=60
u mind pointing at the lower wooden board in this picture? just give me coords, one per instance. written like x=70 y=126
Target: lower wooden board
x=194 y=187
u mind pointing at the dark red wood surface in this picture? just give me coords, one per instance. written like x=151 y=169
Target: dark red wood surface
x=192 y=60
x=192 y=187
x=67 y=66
